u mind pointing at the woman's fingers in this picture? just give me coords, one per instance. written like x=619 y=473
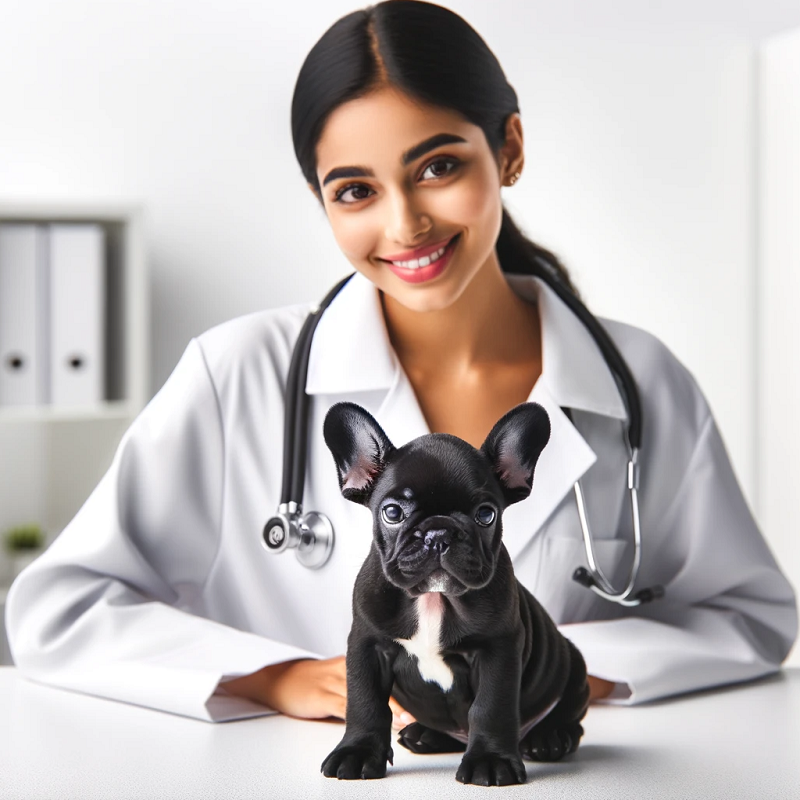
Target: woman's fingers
x=338 y=705
x=400 y=717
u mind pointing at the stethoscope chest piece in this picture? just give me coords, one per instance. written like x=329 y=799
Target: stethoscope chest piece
x=310 y=534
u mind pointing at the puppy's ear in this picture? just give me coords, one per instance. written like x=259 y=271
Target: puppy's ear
x=513 y=447
x=359 y=446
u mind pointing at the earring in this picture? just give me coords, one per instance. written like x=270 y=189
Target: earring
x=514 y=178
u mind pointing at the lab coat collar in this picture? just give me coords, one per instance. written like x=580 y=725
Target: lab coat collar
x=352 y=352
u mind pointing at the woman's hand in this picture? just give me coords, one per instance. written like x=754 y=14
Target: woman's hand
x=305 y=688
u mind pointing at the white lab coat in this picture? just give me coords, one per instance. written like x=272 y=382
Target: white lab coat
x=159 y=588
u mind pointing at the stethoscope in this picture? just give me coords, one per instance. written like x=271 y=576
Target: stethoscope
x=311 y=534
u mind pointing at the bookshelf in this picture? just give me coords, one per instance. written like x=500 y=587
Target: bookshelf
x=51 y=458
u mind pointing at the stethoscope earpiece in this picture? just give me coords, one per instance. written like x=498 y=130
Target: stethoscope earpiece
x=584 y=578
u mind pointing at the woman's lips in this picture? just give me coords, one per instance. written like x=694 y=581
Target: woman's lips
x=420 y=252
x=422 y=274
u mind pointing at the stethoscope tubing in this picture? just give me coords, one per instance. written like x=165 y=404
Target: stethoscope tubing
x=295 y=430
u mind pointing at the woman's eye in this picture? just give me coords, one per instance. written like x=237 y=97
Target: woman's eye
x=348 y=188
x=393 y=514
x=451 y=163
x=485 y=515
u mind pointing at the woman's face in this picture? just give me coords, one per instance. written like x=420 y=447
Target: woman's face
x=383 y=201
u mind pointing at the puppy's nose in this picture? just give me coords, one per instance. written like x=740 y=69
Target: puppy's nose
x=438 y=540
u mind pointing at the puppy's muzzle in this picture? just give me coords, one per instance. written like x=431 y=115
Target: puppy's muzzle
x=425 y=548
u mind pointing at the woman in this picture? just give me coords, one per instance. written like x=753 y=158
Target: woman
x=158 y=591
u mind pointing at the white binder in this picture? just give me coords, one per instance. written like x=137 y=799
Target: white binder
x=24 y=315
x=77 y=301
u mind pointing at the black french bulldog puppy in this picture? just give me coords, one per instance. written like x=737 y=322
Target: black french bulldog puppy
x=439 y=619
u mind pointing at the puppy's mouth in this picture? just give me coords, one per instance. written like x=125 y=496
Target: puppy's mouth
x=441 y=581
x=419 y=568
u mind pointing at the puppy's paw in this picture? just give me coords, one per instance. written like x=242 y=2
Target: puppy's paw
x=353 y=761
x=551 y=744
x=419 y=739
x=491 y=769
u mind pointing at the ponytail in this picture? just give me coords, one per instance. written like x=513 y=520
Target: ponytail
x=519 y=255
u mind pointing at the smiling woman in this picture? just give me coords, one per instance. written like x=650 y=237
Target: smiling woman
x=406 y=144
x=455 y=98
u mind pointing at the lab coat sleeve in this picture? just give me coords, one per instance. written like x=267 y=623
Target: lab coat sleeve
x=728 y=614
x=104 y=610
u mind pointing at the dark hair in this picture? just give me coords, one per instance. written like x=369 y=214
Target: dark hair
x=432 y=54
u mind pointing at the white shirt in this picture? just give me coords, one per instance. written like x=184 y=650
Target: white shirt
x=159 y=588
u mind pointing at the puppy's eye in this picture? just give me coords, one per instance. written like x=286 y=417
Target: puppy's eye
x=485 y=515
x=392 y=513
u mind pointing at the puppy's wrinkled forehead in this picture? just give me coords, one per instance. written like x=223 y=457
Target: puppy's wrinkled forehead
x=437 y=466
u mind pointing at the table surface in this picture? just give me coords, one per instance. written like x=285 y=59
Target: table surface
x=739 y=741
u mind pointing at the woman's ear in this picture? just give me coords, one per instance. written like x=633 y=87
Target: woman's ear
x=512 y=155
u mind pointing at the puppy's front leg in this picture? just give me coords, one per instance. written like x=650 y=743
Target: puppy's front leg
x=366 y=745
x=493 y=757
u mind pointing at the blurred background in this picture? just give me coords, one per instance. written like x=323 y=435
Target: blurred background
x=662 y=165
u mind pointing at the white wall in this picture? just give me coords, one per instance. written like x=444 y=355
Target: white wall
x=779 y=298
x=640 y=155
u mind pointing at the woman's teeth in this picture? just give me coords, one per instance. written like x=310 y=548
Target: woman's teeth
x=421 y=262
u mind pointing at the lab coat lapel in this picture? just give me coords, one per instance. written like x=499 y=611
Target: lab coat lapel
x=352 y=352
x=400 y=415
x=574 y=375
x=563 y=461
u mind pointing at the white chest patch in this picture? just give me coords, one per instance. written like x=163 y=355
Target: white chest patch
x=424 y=644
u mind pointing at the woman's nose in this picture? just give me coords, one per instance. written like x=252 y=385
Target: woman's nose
x=407 y=222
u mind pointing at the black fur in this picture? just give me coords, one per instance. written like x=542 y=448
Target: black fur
x=432 y=501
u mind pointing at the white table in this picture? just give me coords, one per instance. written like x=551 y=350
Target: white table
x=729 y=743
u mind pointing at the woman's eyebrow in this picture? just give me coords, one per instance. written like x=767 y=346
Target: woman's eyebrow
x=410 y=155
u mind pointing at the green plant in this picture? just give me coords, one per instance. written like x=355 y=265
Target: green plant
x=24 y=537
